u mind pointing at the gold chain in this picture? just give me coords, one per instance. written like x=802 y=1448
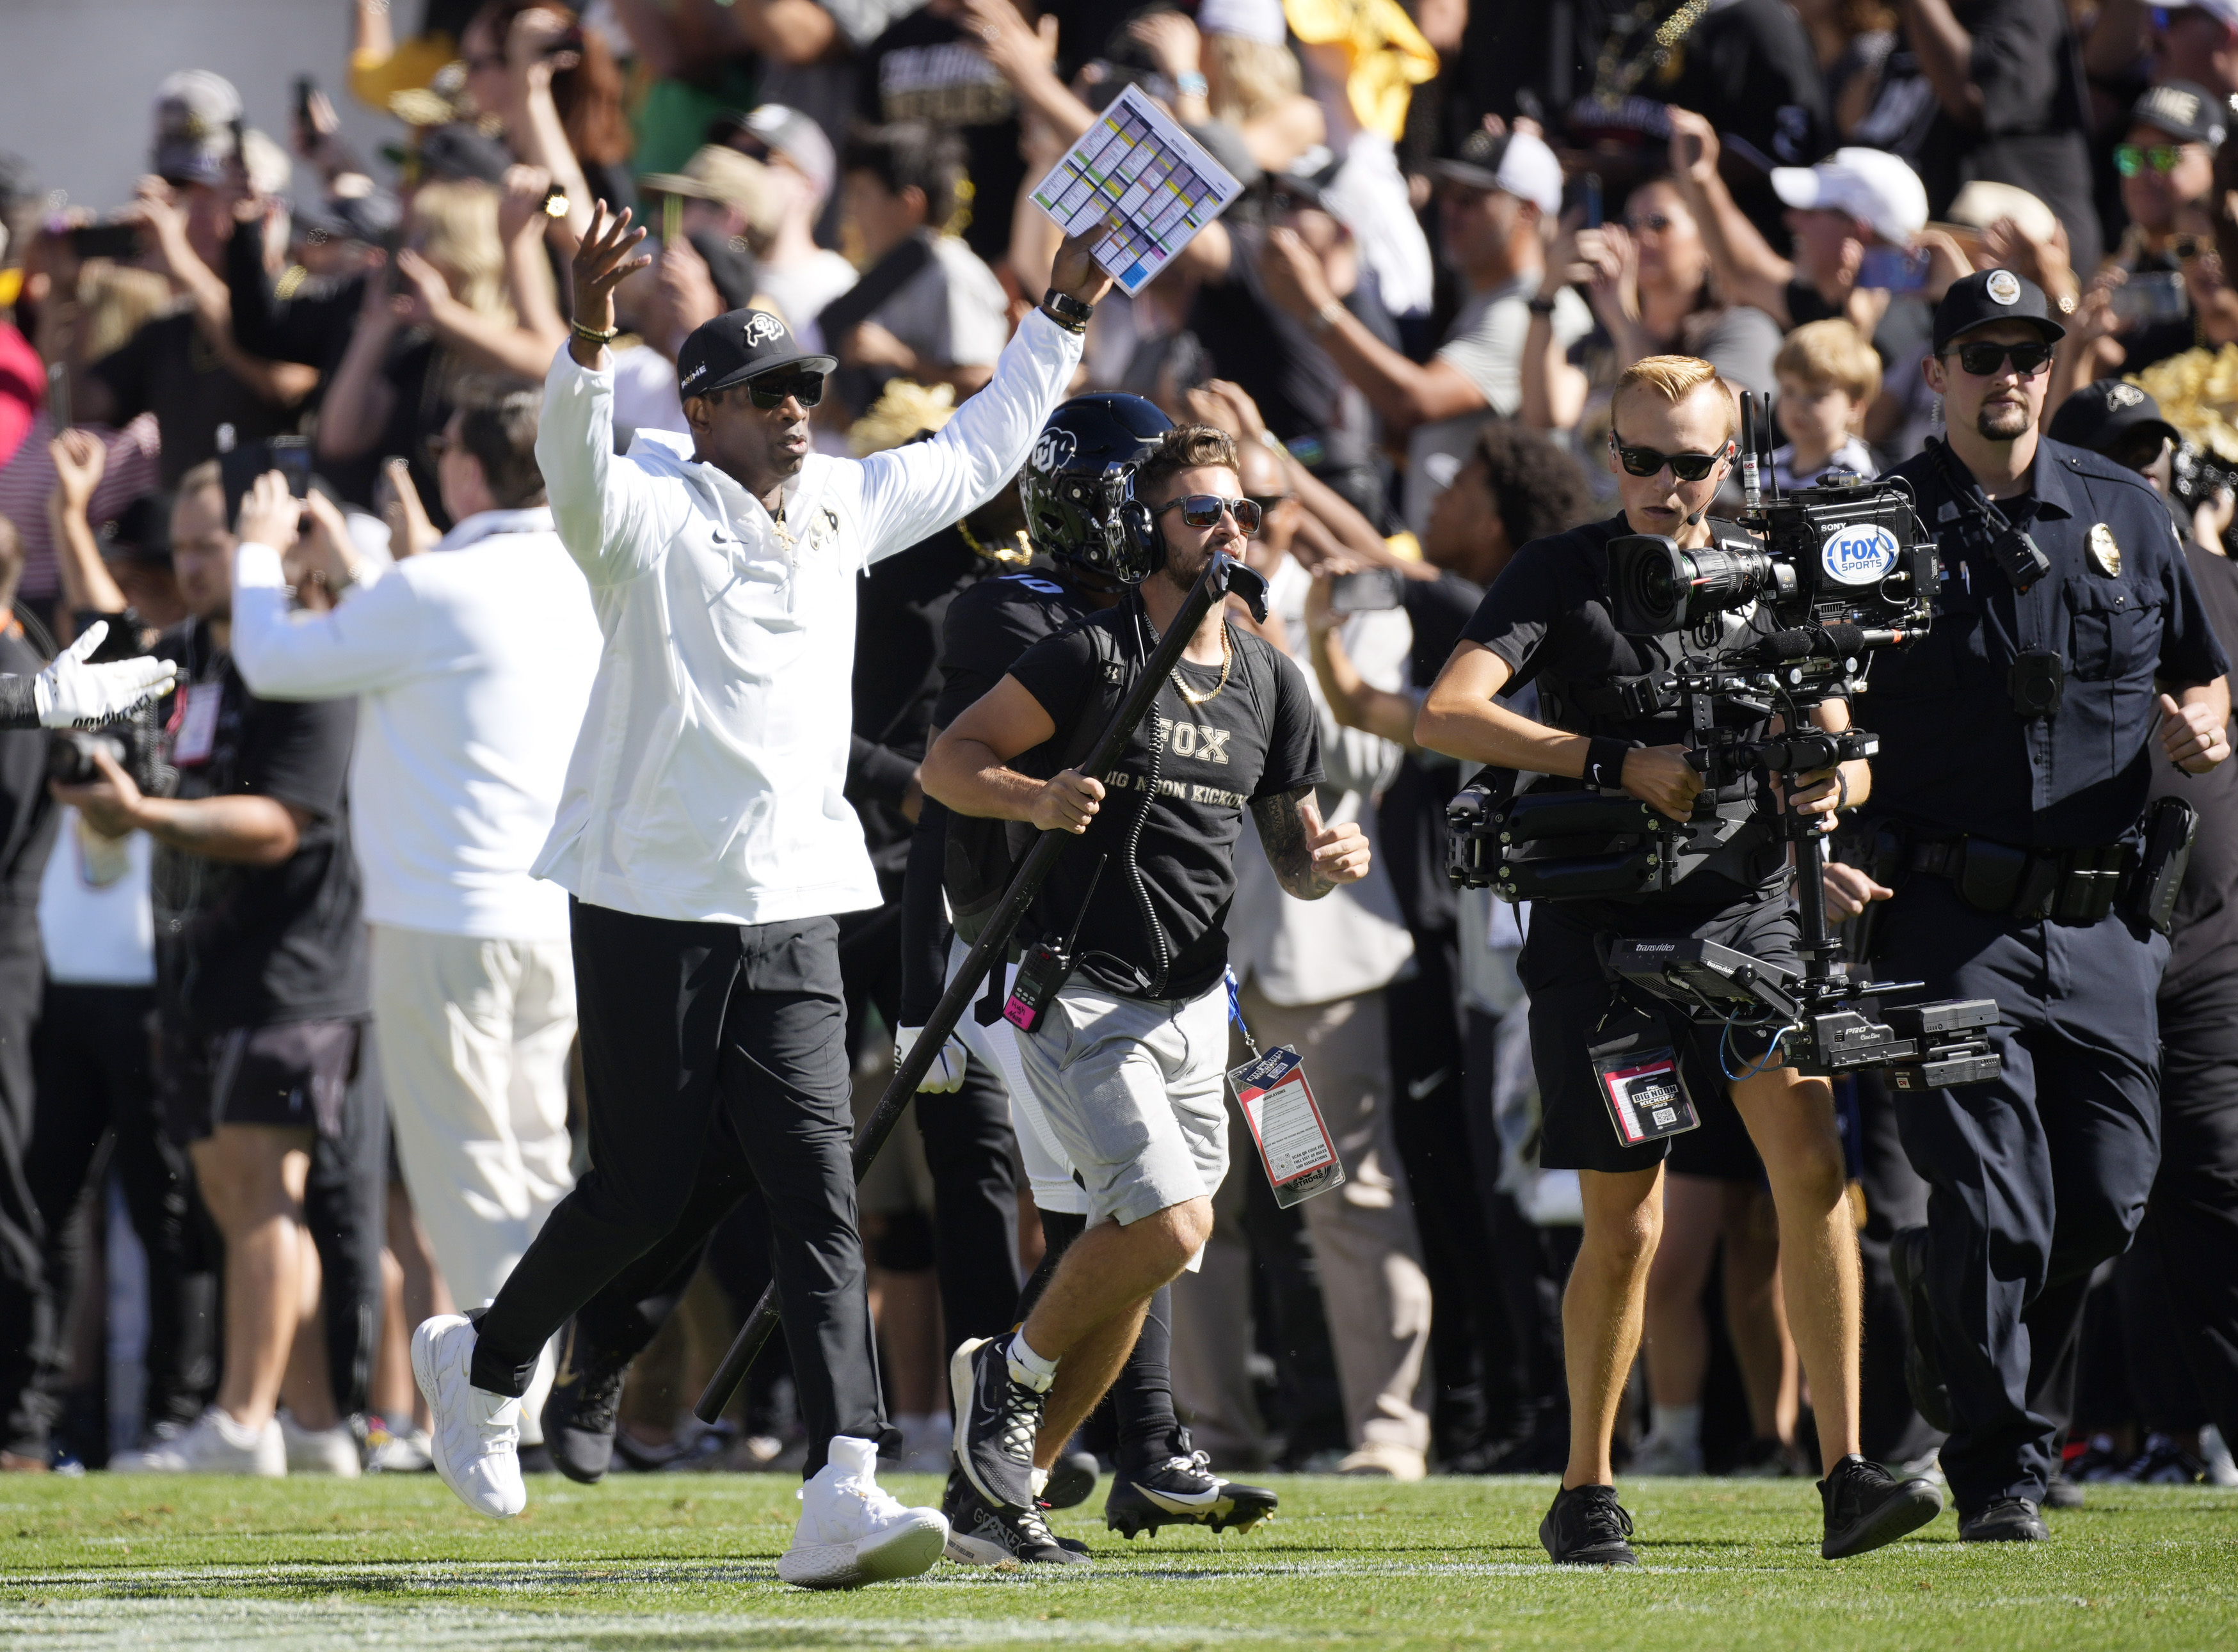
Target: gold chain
x=1227 y=656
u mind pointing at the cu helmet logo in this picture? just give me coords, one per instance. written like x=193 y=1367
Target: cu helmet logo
x=1054 y=450
x=761 y=327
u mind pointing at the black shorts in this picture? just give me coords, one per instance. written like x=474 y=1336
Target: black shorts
x=1571 y=996
x=294 y=1076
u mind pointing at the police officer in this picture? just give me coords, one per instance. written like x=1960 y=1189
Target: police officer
x=1547 y=619
x=2069 y=657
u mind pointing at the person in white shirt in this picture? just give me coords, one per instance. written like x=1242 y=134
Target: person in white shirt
x=705 y=836
x=472 y=664
x=799 y=276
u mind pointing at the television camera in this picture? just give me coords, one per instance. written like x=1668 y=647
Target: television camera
x=1762 y=624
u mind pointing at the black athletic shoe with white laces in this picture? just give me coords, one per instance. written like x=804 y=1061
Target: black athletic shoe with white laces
x=1586 y=1526
x=1183 y=1492
x=979 y=1534
x=997 y=1418
x=579 y=1412
x=2004 y=1520
x=1923 y=1371
x=1867 y=1506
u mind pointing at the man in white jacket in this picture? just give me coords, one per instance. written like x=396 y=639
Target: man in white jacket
x=472 y=664
x=705 y=838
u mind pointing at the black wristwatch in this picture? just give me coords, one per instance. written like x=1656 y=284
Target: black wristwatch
x=1066 y=311
x=1542 y=305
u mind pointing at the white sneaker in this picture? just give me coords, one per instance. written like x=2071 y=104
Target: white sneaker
x=320 y=1451
x=215 y=1444
x=474 y=1435
x=852 y=1532
x=1659 y=1456
x=409 y=1453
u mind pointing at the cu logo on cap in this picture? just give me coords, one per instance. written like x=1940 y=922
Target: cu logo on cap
x=761 y=327
x=1055 y=449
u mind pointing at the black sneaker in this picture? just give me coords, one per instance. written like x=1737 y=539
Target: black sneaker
x=2098 y=1461
x=1071 y=1480
x=979 y=1534
x=1922 y=1371
x=2165 y=1463
x=1586 y=1526
x=1867 y=1506
x=997 y=1418
x=579 y=1412
x=2005 y=1520
x=1183 y=1492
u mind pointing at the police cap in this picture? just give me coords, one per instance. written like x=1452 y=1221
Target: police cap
x=1992 y=295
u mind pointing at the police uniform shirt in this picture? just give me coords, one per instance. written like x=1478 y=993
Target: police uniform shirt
x=2120 y=609
x=1547 y=616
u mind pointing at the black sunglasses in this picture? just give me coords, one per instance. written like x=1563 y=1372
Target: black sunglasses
x=1202 y=511
x=772 y=390
x=1646 y=461
x=1985 y=360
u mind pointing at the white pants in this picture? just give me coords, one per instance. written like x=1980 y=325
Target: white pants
x=473 y=1036
x=1049 y=1173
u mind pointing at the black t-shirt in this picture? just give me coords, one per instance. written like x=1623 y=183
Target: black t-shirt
x=1547 y=616
x=168 y=367
x=1410 y=816
x=1257 y=737
x=27 y=810
x=249 y=945
x=2205 y=948
x=925 y=68
x=900 y=612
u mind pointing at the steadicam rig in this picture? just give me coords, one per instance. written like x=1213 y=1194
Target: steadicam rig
x=1767 y=623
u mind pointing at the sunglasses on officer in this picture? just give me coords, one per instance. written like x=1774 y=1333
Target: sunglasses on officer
x=1203 y=511
x=1646 y=461
x=772 y=389
x=1986 y=361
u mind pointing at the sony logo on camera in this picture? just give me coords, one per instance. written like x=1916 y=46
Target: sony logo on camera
x=1859 y=554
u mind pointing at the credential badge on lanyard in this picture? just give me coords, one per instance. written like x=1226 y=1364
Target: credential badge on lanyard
x=1646 y=1098
x=196 y=736
x=1285 y=1121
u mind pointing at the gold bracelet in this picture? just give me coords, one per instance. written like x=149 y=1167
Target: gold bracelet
x=591 y=335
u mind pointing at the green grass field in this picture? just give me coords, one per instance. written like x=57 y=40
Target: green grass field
x=689 y=1561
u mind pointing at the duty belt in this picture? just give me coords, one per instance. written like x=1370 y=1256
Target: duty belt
x=2064 y=885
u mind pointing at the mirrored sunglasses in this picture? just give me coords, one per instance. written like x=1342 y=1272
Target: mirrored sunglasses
x=1203 y=511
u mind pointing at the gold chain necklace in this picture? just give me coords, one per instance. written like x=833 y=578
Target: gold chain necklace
x=1226 y=656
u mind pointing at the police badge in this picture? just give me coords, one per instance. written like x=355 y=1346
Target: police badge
x=2105 y=552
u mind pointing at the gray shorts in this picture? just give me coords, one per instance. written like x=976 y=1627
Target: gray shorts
x=1134 y=1089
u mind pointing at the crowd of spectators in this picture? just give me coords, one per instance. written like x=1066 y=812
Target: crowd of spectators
x=311 y=898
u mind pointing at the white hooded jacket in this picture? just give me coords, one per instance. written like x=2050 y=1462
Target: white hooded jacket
x=706 y=785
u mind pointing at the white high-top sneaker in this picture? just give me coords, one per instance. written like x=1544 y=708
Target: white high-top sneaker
x=852 y=1532
x=215 y=1444
x=474 y=1435
x=320 y=1451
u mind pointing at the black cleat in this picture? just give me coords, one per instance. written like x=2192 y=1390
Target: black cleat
x=2005 y=1520
x=579 y=1412
x=979 y=1534
x=1922 y=1371
x=1183 y=1492
x=1586 y=1526
x=997 y=1418
x=1867 y=1506
x=1071 y=1480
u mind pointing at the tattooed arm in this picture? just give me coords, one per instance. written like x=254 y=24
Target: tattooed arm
x=1309 y=859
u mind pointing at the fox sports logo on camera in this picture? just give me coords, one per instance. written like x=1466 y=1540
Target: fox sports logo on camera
x=1859 y=554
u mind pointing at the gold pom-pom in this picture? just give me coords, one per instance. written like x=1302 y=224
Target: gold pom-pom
x=906 y=411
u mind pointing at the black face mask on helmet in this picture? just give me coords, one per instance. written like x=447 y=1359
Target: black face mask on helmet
x=1078 y=486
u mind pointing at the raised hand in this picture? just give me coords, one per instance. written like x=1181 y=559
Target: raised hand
x=80 y=457
x=70 y=693
x=1076 y=272
x=606 y=257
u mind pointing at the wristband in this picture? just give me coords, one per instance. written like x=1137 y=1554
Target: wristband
x=591 y=335
x=1192 y=83
x=1605 y=763
x=1067 y=312
x=1324 y=318
x=1542 y=305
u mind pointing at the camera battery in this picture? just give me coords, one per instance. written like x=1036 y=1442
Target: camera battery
x=1286 y=1123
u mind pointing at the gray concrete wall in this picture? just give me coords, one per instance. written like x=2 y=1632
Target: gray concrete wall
x=78 y=78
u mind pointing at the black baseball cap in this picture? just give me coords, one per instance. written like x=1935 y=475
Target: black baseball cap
x=2103 y=415
x=1992 y=295
x=739 y=346
x=2187 y=113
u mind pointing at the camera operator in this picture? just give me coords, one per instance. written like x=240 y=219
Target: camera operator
x=704 y=833
x=1548 y=619
x=1129 y=1061
x=261 y=996
x=2070 y=655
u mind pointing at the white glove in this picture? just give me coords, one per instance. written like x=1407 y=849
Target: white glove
x=946 y=1072
x=70 y=693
